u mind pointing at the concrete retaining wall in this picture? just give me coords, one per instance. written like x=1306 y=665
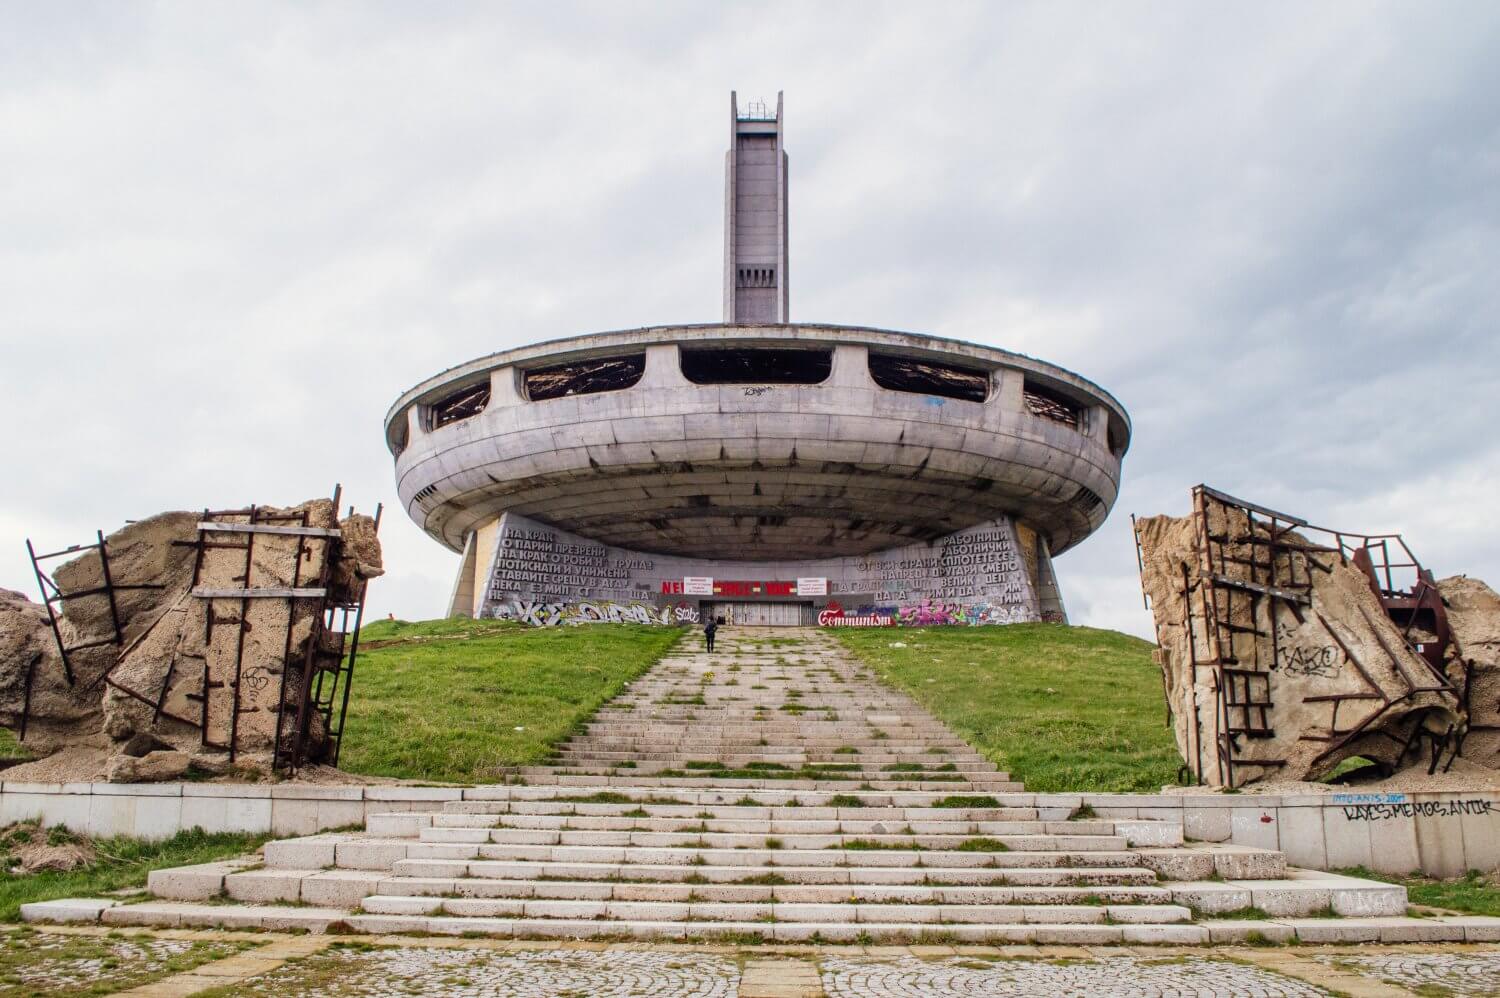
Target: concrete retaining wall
x=161 y=810
x=1440 y=834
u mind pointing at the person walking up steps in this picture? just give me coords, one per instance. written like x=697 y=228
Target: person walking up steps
x=709 y=629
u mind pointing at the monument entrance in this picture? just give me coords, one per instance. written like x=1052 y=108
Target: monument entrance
x=762 y=614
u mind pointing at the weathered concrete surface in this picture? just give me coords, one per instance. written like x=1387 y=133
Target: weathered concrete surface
x=1334 y=667
x=1474 y=616
x=776 y=471
x=546 y=577
x=168 y=651
x=26 y=642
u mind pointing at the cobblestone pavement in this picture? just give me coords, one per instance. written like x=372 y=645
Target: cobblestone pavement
x=1455 y=973
x=359 y=969
x=1115 y=977
x=33 y=963
x=211 y=964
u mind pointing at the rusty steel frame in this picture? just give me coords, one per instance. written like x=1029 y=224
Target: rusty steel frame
x=52 y=596
x=290 y=745
x=320 y=685
x=1272 y=585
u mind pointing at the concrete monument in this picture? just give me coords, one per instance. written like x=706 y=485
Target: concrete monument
x=758 y=469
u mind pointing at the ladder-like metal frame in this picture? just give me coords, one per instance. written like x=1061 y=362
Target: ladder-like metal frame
x=53 y=597
x=324 y=684
x=1247 y=581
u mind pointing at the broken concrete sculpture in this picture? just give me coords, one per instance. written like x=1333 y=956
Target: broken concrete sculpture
x=209 y=638
x=1286 y=648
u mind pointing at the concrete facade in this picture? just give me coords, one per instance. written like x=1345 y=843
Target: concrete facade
x=545 y=577
x=758 y=440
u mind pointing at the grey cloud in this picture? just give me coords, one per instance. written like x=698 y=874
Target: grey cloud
x=1270 y=231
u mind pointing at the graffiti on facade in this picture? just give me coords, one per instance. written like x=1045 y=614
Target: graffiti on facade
x=833 y=615
x=976 y=575
x=928 y=613
x=540 y=614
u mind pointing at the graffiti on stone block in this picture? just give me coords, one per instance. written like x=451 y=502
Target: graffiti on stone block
x=1299 y=658
x=539 y=614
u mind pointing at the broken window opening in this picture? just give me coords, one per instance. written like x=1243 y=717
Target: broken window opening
x=399 y=435
x=465 y=403
x=585 y=377
x=1116 y=437
x=925 y=377
x=1048 y=404
x=756 y=366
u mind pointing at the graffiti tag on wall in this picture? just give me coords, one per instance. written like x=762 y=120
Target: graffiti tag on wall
x=928 y=613
x=540 y=614
x=833 y=615
x=1299 y=658
x=1419 y=809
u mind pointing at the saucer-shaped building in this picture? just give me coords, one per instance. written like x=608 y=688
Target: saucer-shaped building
x=760 y=470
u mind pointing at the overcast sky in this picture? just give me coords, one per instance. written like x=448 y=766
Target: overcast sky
x=232 y=233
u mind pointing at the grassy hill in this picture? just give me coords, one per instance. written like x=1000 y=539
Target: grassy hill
x=1064 y=708
x=454 y=700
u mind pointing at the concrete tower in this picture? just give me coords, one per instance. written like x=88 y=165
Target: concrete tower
x=755 y=264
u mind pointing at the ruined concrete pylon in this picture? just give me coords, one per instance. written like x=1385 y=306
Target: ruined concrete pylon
x=224 y=635
x=1286 y=648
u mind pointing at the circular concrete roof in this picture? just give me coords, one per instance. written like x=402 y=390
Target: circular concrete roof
x=760 y=469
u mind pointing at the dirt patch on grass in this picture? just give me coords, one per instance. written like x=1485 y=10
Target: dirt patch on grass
x=29 y=848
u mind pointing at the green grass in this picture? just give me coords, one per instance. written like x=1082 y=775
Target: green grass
x=37 y=963
x=970 y=801
x=1066 y=709
x=442 y=699
x=10 y=748
x=1473 y=893
x=122 y=863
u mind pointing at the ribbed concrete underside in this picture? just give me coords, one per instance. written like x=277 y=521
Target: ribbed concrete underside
x=770 y=513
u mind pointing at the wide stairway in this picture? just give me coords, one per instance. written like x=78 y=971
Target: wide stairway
x=773 y=790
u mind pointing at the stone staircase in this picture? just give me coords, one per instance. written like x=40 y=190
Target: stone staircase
x=774 y=790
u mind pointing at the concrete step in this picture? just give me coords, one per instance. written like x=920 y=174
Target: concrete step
x=639 y=793
x=1300 y=893
x=1051 y=876
x=1470 y=929
x=692 y=812
x=783 y=911
x=742 y=893
x=410 y=825
x=189 y=915
x=792 y=841
x=766 y=858
x=832 y=783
